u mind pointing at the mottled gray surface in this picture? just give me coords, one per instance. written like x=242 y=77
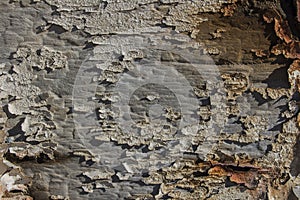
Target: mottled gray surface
x=144 y=99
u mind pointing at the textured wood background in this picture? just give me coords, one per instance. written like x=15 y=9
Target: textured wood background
x=149 y=99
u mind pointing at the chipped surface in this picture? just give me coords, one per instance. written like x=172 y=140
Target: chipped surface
x=215 y=115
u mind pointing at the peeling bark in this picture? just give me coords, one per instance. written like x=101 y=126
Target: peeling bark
x=149 y=99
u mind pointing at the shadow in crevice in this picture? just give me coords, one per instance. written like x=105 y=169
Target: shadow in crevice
x=17 y=132
x=278 y=78
x=259 y=98
x=277 y=127
x=56 y=29
x=156 y=190
x=292 y=196
x=290 y=9
x=270 y=34
x=8 y=114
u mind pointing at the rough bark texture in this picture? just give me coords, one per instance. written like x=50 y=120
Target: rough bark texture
x=149 y=99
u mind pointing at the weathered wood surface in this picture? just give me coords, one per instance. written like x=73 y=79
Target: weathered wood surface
x=149 y=99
